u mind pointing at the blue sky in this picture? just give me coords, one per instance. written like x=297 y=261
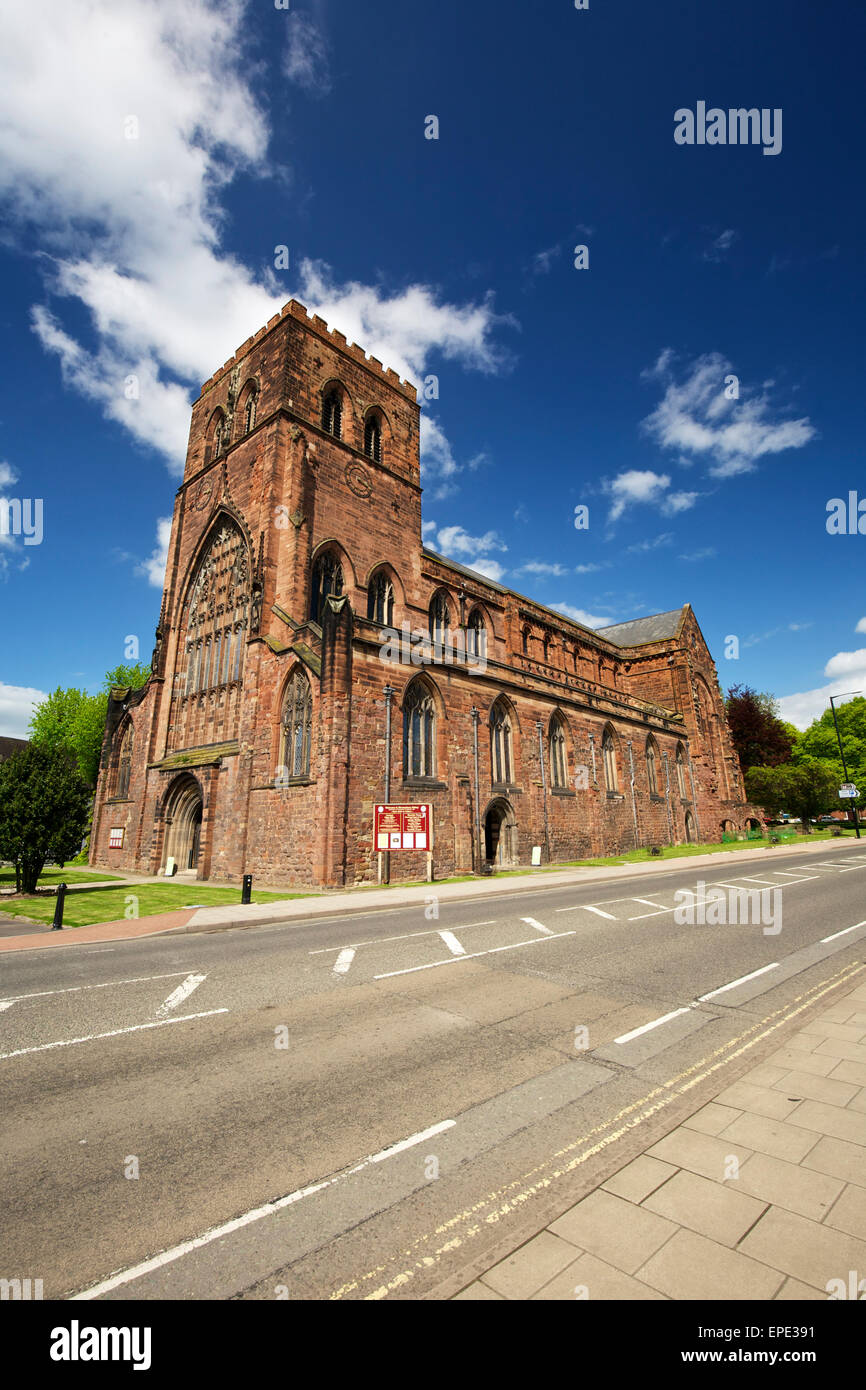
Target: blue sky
x=153 y=155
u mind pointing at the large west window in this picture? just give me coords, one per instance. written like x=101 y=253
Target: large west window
x=217 y=613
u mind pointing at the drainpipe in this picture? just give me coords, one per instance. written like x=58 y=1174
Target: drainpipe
x=543 y=788
x=592 y=752
x=633 y=802
x=386 y=857
x=475 y=717
x=668 y=797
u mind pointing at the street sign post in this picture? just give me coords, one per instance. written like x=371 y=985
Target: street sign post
x=848 y=789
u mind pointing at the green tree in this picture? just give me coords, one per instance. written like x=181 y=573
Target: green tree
x=760 y=737
x=819 y=741
x=44 y=805
x=805 y=788
x=73 y=721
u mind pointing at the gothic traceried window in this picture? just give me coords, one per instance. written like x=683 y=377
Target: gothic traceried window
x=439 y=618
x=652 y=767
x=558 y=757
x=327 y=580
x=608 y=749
x=217 y=613
x=476 y=636
x=124 y=763
x=419 y=732
x=373 y=438
x=332 y=413
x=380 y=599
x=250 y=413
x=296 y=727
x=501 y=744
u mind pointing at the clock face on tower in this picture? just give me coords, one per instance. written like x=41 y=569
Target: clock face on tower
x=202 y=494
x=358 y=480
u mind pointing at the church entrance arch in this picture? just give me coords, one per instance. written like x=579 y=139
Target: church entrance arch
x=500 y=834
x=182 y=815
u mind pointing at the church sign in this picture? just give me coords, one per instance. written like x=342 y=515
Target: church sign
x=403 y=827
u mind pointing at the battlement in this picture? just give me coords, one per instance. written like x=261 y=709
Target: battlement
x=333 y=337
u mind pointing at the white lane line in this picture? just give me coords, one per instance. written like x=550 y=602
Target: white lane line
x=6 y=1004
x=217 y=1232
x=733 y=984
x=116 y=1033
x=178 y=995
x=494 y=950
x=531 y=922
x=452 y=943
x=344 y=960
x=108 y=984
x=767 y=882
x=801 y=878
x=597 y=910
x=844 y=932
x=643 y=915
x=636 y=1032
x=404 y=936
x=646 y=902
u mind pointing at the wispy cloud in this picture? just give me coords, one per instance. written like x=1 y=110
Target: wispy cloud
x=720 y=246
x=654 y=543
x=642 y=486
x=542 y=567
x=580 y=615
x=472 y=551
x=697 y=418
x=708 y=553
x=153 y=568
x=307 y=59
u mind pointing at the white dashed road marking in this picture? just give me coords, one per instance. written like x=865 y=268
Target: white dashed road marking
x=452 y=943
x=636 y=1032
x=178 y=995
x=531 y=922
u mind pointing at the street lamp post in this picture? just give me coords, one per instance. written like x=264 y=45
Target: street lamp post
x=842 y=751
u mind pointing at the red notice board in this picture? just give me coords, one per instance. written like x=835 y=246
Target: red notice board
x=403 y=827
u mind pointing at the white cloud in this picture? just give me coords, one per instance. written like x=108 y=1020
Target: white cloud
x=708 y=553
x=861 y=626
x=8 y=476
x=696 y=417
x=307 y=60
x=491 y=568
x=153 y=568
x=588 y=569
x=129 y=229
x=640 y=547
x=17 y=703
x=541 y=567
x=846 y=672
x=471 y=551
x=720 y=246
x=642 y=486
x=580 y=615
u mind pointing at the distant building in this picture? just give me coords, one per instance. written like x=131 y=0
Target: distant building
x=288 y=663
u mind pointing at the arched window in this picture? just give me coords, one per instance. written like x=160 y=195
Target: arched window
x=373 y=438
x=439 y=618
x=476 y=636
x=124 y=763
x=526 y=641
x=419 y=732
x=216 y=435
x=501 y=744
x=608 y=749
x=217 y=614
x=380 y=599
x=546 y=645
x=327 y=580
x=681 y=772
x=296 y=727
x=652 y=767
x=558 y=758
x=332 y=413
x=250 y=412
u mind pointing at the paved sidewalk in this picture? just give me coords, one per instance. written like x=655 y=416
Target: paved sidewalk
x=759 y=1195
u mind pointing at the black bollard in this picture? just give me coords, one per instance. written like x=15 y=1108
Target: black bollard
x=246 y=891
x=58 y=907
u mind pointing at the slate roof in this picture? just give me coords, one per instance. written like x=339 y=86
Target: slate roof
x=653 y=629
x=8 y=746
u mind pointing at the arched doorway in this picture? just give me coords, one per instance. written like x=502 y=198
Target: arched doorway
x=183 y=818
x=500 y=835
x=690 y=827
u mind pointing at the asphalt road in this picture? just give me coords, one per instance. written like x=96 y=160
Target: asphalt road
x=502 y=1047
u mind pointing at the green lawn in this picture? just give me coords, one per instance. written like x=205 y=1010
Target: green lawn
x=110 y=904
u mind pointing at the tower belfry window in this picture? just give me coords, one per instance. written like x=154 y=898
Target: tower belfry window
x=332 y=414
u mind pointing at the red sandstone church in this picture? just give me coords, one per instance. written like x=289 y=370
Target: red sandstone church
x=290 y=693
